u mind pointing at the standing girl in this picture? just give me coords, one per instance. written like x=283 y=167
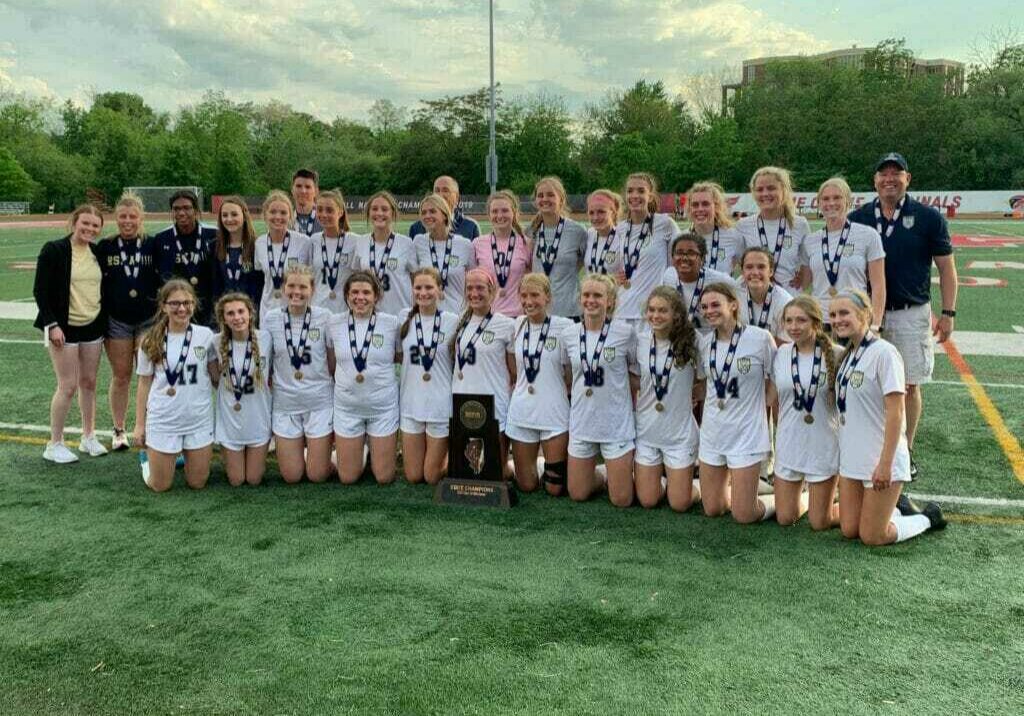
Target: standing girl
x=873 y=457
x=708 y=210
x=761 y=300
x=666 y=432
x=426 y=391
x=302 y=415
x=646 y=237
x=600 y=420
x=558 y=245
x=505 y=253
x=482 y=347
x=538 y=412
x=129 y=292
x=689 y=274
x=235 y=268
x=446 y=252
x=279 y=250
x=365 y=345
x=243 y=394
x=69 y=296
x=332 y=251
x=603 y=254
x=776 y=227
x=387 y=255
x=177 y=372
x=806 y=441
x=736 y=361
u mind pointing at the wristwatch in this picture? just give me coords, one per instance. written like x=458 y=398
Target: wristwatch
x=951 y=314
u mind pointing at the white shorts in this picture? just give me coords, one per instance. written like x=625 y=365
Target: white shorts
x=732 y=461
x=868 y=485
x=238 y=447
x=529 y=435
x=784 y=473
x=910 y=330
x=584 y=449
x=172 y=444
x=349 y=426
x=310 y=424
x=674 y=458
x=434 y=429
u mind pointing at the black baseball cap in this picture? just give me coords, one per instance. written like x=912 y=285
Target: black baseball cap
x=892 y=158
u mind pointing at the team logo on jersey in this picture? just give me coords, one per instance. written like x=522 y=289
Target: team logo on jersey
x=487 y=337
x=292 y=261
x=611 y=257
x=787 y=241
x=392 y=264
x=377 y=340
x=857 y=378
x=314 y=334
x=454 y=261
x=550 y=344
x=440 y=336
x=200 y=352
x=609 y=355
x=908 y=221
x=849 y=249
x=743 y=365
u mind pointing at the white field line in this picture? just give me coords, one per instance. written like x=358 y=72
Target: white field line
x=46 y=429
x=37 y=341
x=958 y=500
x=983 y=385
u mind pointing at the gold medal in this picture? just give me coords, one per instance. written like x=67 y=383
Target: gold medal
x=360 y=377
x=426 y=377
x=298 y=375
x=590 y=392
x=460 y=375
x=133 y=293
x=530 y=389
x=194 y=281
x=660 y=407
x=501 y=293
x=237 y=407
x=277 y=293
x=171 y=391
x=842 y=420
x=627 y=284
x=833 y=291
x=333 y=295
x=809 y=419
x=721 y=403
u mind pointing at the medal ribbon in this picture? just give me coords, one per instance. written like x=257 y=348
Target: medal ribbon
x=847 y=369
x=295 y=353
x=277 y=264
x=633 y=255
x=597 y=264
x=780 y=239
x=427 y=354
x=306 y=223
x=130 y=264
x=173 y=376
x=887 y=226
x=190 y=258
x=233 y=270
x=546 y=253
x=804 y=399
x=502 y=259
x=592 y=364
x=531 y=359
x=464 y=353
x=442 y=267
x=712 y=262
x=693 y=308
x=766 y=308
x=832 y=264
x=660 y=380
x=331 y=266
x=721 y=379
x=359 y=357
x=238 y=380
x=380 y=270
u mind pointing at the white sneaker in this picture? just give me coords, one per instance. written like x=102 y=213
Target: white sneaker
x=119 y=442
x=59 y=453
x=89 y=444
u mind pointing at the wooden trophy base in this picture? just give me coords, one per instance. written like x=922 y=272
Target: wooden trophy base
x=476 y=493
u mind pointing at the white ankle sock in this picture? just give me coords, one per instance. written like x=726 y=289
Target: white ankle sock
x=769 y=506
x=908 y=526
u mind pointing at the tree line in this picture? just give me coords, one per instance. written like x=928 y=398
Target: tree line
x=816 y=120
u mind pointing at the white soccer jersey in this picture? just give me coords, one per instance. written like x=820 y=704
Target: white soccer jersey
x=685 y=290
x=291 y=395
x=486 y=371
x=606 y=415
x=602 y=254
x=326 y=253
x=651 y=265
x=675 y=426
x=376 y=394
x=400 y=263
x=741 y=427
x=863 y=245
x=428 y=401
x=251 y=424
x=878 y=373
x=268 y=258
x=547 y=406
x=190 y=409
x=723 y=256
x=565 y=269
x=812 y=449
x=788 y=262
x=753 y=313
x=461 y=259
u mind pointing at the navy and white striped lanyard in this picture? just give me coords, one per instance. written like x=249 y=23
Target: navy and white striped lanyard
x=502 y=259
x=832 y=263
x=660 y=379
x=592 y=363
x=130 y=264
x=712 y=262
x=443 y=265
x=721 y=378
x=178 y=373
x=804 y=399
x=887 y=226
x=359 y=355
x=596 y=263
x=464 y=353
x=238 y=380
x=780 y=239
x=847 y=369
x=427 y=354
x=332 y=267
x=277 y=263
x=380 y=269
x=306 y=223
x=531 y=359
x=698 y=288
x=296 y=353
x=766 y=308
x=547 y=254
x=632 y=255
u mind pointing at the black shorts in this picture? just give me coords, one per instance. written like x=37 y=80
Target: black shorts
x=91 y=333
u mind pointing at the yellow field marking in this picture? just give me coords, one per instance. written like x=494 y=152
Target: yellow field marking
x=1007 y=441
x=24 y=439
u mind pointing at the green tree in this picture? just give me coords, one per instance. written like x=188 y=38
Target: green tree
x=15 y=183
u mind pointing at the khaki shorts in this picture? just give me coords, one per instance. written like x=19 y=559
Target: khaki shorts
x=910 y=330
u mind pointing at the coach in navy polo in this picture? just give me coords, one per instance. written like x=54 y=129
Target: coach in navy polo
x=914 y=236
x=462 y=225
x=185 y=250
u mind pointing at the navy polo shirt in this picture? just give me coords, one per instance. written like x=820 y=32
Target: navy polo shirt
x=462 y=225
x=169 y=263
x=920 y=234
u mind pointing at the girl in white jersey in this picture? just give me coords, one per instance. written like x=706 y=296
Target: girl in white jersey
x=666 y=432
x=448 y=253
x=243 y=395
x=761 y=300
x=689 y=274
x=873 y=458
x=538 y=412
x=426 y=391
x=558 y=245
x=601 y=417
x=173 y=412
x=843 y=255
x=646 y=237
x=482 y=349
x=332 y=250
x=303 y=363
x=603 y=250
x=736 y=361
x=365 y=343
x=708 y=210
x=387 y=255
x=806 y=438
x=279 y=249
x=776 y=227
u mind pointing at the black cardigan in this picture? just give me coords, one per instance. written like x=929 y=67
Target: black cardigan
x=52 y=286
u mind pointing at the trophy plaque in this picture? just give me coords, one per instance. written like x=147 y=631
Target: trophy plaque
x=474 y=457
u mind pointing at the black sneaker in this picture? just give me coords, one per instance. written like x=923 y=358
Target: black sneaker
x=934 y=514
x=913 y=467
x=906 y=506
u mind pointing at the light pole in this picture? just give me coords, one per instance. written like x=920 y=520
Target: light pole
x=492 y=154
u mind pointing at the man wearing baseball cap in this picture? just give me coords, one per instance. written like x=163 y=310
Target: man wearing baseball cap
x=914 y=236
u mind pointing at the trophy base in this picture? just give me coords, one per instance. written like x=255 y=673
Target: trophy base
x=476 y=493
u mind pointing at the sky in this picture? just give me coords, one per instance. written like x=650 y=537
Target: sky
x=336 y=57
